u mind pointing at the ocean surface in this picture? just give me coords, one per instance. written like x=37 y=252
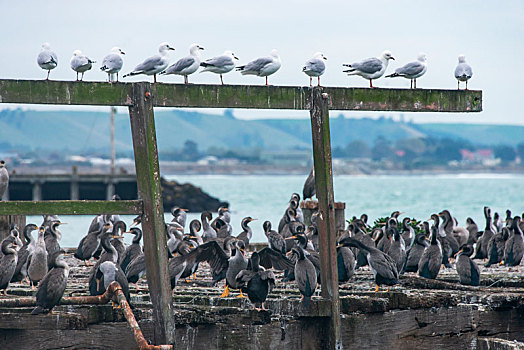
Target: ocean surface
x=265 y=197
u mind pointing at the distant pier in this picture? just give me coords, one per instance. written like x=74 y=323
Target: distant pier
x=73 y=186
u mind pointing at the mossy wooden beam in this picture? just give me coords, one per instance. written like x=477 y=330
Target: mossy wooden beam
x=239 y=96
x=80 y=207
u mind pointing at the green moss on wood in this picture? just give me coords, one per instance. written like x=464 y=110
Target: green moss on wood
x=81 y=207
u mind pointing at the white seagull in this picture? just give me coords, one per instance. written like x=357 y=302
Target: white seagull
x=113 y=63
x=4 y=179
x=463 y=72
x=315 y=67
x=262 y=67
x=412 y=70
x=80 y=63
x=154 y=64
x=220 y=64
x=371 y=68
x=186 y=65
x=47 y=59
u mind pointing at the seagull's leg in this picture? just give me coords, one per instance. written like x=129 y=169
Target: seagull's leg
x=76 y=76
x=49 y=71
x=411 y=84
x=154 y=78
x=82 y=77
x=466 y=84
x=221 y=80
x=117 y=77
x=458 y=85
x=318 y=80
x=266 y=80
x=185 y=79
x=310 y=81
x=415 y=83
x=370 y=83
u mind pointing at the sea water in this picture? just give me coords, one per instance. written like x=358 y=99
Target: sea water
x=265 y=197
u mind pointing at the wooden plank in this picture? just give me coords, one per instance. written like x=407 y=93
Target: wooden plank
x=326 y=208
x=239 y=96
x=24 y=320
x=153 y=226
x=79 y=207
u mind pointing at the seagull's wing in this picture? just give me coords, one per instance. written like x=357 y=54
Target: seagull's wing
x=258 y=64
x=369 y=66
x=314 y=65
x=149 y=64
x=112 y=61
x=219 y=61
x=463 y=69
x=412 y=68
x=181 y=64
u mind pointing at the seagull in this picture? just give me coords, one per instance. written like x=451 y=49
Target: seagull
x=463 y=71
x=371 y=68
x=112 y=63
x=154 y=64
x=47 y=59
x=80 y=63
x=4 y=179
x=412 y=70
x=262 y=67
x=220 y=64
x=186 y=65
x=315 y=67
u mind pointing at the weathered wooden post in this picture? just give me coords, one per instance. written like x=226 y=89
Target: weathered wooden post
x=319 y=111
x=150 y=191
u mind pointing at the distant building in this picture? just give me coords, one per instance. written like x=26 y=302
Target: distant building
x=483 y=156
x=288 y=157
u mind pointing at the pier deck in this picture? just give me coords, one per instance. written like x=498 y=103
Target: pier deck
x=418 y=314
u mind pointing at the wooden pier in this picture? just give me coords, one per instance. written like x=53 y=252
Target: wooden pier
x=142 y=97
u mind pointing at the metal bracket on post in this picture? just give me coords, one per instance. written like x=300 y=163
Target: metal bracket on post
x=153 y=225
x=326 y=218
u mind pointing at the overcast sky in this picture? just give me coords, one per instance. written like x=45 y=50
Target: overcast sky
x=489 y=33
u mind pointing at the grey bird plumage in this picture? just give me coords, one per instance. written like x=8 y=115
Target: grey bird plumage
x=186 y=65
x=514 y=249
x=262 y=67
x=112 y=63
x=305 y=275
x=25 y=253
x=315 y=67
x=412 y=70
x=52 y=286
x=220 y=64
x=52 y=239
x=4 y=179
x=431 y=259
x=463 y=71
x=47 y=59
x=38 y=267
x=467 y=269
x=371 y=68
x=7 y=264
x=80 y=63
x=154 y=64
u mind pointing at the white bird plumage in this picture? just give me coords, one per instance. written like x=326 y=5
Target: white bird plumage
x=154 y=64
x=463 y=72
x=186 y=65
x=262 y=67
x=80 y=63
x=112 y=63
x=371 y=68
x=315 y=67
x=47 y=59
x=412 y=70
x=220 y=64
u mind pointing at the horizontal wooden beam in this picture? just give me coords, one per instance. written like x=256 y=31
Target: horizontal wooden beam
x=82 y=207
x=239 y=96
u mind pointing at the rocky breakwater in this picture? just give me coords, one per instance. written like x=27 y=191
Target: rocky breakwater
x=189 y=197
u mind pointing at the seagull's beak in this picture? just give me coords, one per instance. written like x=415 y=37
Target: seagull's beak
x=235 y=57
x=324 y=57
x=122 y=52
x=200 y=48
x=393 y=58
x=171 y=48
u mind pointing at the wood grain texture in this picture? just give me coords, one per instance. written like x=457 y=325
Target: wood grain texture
x=78 y=207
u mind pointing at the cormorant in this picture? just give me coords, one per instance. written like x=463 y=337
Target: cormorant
x=514 y=249
x=7 y=264
x=37 y=268
x=52 y=287
x=467 y=269
x=305 y=275
x=257 y=283
x=24 y=254
x=431 y=259
x=309 y=186
x=134 y=249
x=481 y=250
x=247 y=232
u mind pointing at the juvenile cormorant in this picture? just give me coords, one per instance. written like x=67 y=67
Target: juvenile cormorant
x=431 y=259
x=408 y=232
x=467 y=269
x=24 y=254
x=7 y=264
x=208 y=233
x=496 y=247
x=257 y=283
x=345 y=264
x=52 y=287
x=383 y=267
x=38 y=268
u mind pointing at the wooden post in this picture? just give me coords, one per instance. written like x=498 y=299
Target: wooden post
x=153 y=226
x=326 y=219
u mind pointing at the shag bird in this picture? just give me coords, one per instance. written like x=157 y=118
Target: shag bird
x=463 y=71
x=262 y=67
x=357 y=233
x=514 y=249
x=47 y=59
x=383 y=267
x=445 y=246
x=220 y=64
x=90 y=243
x=208 y=233
x=186 y=65
x=467 y=269
x=315 y=67
x=53 y=285
x=134 y=250
x=431 y=259
x=25 y=253
x=112 y=63
x=110 y=271
x=274 y=239
x=117 y=236
x=4 y=179
x=136 y=269
x=496 y=247
x=179 y=216
x=247 y=232
x=473 y=230
x=256 y=282
x=154 y=64
x=52 y=237
x=7 y=264
x=309 y=186
x=37 y=268
x=397 y=249
x=414 y=254
x=305 y=275
x=408 y=232
x=345 y=264
x=481 y=250
x=371 y=68
x=80 y=63
x=236 y=263
x=412 y=70
x=295 y=201
x=110 y=254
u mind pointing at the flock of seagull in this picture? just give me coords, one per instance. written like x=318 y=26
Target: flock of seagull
x=370 y=69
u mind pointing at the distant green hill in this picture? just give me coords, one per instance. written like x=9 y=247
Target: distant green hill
x=80 y=131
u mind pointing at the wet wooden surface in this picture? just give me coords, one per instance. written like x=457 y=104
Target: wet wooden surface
x=419 y=314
